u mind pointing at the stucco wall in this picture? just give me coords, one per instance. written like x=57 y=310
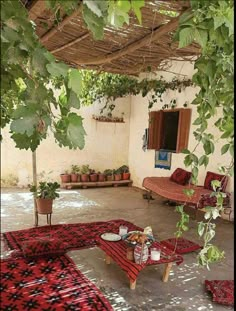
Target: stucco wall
x=142 y=163
x=106 y=146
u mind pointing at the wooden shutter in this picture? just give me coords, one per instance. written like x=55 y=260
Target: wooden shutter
x=154 y=131
x=183 y=129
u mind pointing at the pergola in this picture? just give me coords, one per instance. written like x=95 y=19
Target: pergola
x=127 y=50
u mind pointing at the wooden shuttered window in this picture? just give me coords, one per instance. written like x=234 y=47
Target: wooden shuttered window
x=154 y=131
x=158 y=131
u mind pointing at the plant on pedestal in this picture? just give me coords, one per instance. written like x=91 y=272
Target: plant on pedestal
x=117 y=174
x=44 y=195
x=75 y=177
x=125 y=172
x=85 y=173
x=109 y=174
x=65 y=177
x=93 y=176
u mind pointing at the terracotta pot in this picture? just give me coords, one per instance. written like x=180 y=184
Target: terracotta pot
x=117 y=177
x=65 y=178
x=101 y=177
x=84 y=177
x=93 y=177
x=74 y=177
x=44 y=206
x=110 y=178
x=126 y=176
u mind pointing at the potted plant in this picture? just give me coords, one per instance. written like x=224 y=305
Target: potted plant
x=101 y=176
x=109 y=175
x=93 y=176
x=125 y=172
x=84 y=173
x=44 y=195
x=117 y=175
x=75 y=177
x=65 y=177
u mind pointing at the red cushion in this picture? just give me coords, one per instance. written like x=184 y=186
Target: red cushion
x=180 y=176
x=213 y=176
x=42 y=247
x=183 y=246
x=222 y=291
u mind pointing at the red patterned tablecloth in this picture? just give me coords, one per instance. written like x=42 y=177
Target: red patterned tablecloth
x=118 y=251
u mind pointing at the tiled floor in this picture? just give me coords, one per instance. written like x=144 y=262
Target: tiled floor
x=185 y=288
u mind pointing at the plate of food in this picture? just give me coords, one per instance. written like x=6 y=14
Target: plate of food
x=133 y=238
x=112 y=237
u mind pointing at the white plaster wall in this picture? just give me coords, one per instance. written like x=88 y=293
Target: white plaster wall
x=106 y=146
x=142 y=163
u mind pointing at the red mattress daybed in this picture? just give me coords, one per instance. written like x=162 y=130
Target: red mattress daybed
x=173 y=191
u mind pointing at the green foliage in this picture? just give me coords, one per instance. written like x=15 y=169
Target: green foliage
x=75 y=169
x=108 y=87
x=210 y=24
x=45 y=190
x=85 y=169
x=182 y=225
x=29 y=77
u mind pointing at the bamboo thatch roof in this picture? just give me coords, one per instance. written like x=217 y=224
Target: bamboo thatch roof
x=129 y=50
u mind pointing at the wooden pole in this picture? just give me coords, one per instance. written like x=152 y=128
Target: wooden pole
x=35 y=184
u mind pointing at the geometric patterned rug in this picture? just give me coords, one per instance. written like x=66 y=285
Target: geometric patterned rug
x=74 y=236
x=222 y=291
x=47 y=284
x=181 y=245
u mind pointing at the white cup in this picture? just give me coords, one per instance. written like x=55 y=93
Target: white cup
x=155 y=254
x=123 y=230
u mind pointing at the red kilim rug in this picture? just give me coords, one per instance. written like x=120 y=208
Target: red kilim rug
x=222 y=291
x=51 y=284
x=183 y=245
x=74 y=236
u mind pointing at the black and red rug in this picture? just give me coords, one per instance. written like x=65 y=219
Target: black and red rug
x=222 y=291
x=51 y=284
x=74 y=236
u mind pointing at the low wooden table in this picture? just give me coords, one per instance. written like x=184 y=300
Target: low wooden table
x=117 y=251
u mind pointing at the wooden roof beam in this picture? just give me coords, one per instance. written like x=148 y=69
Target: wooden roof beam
x=67 y=45
x=65 y=21
x=154 y=35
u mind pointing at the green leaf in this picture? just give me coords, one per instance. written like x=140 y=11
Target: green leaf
x=203 y=160
x=98 y=7
x=57 y=69
x=225 y=148
x=179 y=208
x=117 y=16
x=136 y=6
x=75 y=81
x=185 y=151
x=186 y=36
x=189 y=192
x=201 y=228
x=188 y=161
x=39 y=62
x=26 y=121
x=201 y=37
x=94 y=23
x=73 y=100
x=75 y=131
x=26 y=142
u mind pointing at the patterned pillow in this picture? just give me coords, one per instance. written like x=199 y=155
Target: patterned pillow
x=182 y=246
x=43 y=247
x=180 y=176
x=213 y=176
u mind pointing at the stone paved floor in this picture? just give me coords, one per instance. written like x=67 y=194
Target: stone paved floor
x=184 y=290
